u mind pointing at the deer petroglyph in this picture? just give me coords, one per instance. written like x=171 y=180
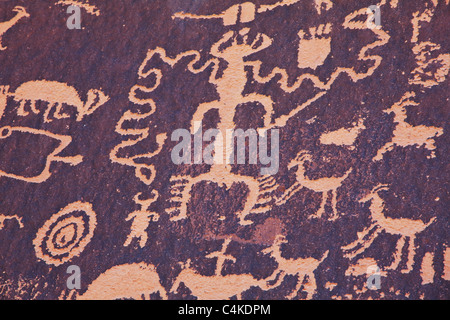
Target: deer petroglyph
x=406 y=134
x=407 y=229
x=297 y=267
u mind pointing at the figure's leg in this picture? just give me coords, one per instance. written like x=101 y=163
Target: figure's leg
x=334 y=205
x=58 y=112
x=321 y=210
x=21 y=110
x=297 y=287
x=397 y=254
x=33 y=107
x=311 y=286
x=267 y=103
x=201 y=110
x=252 y=198
x=411 y=255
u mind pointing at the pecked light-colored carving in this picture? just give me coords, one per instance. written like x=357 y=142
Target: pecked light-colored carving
x=427 y=270
x=429 y=71
x=323 y=5
x=217 y=287
x=135 y=281
x=407 y=229
x=302 y=268
x=63 y=142
x=446 y=274
x=91 y=9
x=352 y=22
x=344 y=136
x=314 y=46
x=144 y=172
x=66 y=234
x=21 y=12
x=56 y=94
x=406 y=134
x=232 y=48
x=3 y=218
x=321 y=185
x=141 y=219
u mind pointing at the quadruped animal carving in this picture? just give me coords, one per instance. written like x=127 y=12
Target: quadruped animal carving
x=54 y=156
x=407 y=229
x=297 y=267
x=322 y=185
x=6 y=25
x=406 y=134
x=56 y=94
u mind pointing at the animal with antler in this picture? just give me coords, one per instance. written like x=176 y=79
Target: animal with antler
x=406 y=134
x=56 y=94
x=141 y=219
x=296 y=267
x=407 y=229
x=6 y=25
x=216 y=287
x=322 y=185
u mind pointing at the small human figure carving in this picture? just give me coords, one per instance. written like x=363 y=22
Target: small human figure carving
x=141 y=219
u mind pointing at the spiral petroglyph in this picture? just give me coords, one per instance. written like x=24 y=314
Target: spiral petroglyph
x=65 y=234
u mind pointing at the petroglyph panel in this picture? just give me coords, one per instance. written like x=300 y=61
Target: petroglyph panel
x=266 y=149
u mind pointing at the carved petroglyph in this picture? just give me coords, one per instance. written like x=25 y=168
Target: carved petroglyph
x=322 y=185
x=128 y=281
x=407 y=229
x=6 y=25
x=406 y=134
x=302 y=268
x=344 y=137
x=446 y=274
x=430 y=71
x=64 y=141
x=206 y=287
x=427 y=270
x=66 y=234
x=363 y=55
x=4 y=90
x=323 y=5
x=56 y=94
x=314 y=46
x=3 y=218
x=91 y=9
x=145 y=172
x=232 y=48
x=141 y=219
